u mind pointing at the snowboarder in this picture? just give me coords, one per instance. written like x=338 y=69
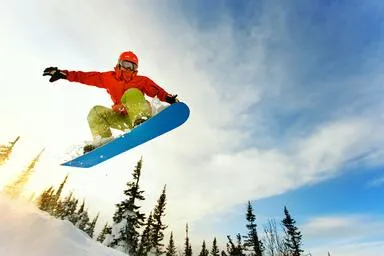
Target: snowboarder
x=126 y=88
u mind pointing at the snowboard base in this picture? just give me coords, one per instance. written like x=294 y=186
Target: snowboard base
x=163 y=122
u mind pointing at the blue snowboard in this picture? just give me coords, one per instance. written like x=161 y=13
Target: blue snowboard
x=165 y=121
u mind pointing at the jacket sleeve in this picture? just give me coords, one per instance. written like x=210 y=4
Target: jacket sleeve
x=152 y=89
x=88 y=78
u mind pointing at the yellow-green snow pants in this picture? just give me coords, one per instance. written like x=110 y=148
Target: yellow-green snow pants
x=101 y=119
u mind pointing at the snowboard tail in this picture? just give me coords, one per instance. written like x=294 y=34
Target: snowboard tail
x=165 y=121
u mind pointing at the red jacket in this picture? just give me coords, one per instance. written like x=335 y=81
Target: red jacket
x=117 y=82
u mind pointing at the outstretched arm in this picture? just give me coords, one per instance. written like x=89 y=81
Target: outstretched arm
x=88 y=78
x=152 y=89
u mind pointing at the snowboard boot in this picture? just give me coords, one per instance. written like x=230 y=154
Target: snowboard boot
x=88 y=148
x=139 y=121
x=95 y=144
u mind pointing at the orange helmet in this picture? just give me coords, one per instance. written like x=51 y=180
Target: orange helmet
x=129 y=56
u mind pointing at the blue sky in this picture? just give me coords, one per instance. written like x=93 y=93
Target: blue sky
x=328 y=47
x=356 y=193
x=323 y=46
x=285 y=97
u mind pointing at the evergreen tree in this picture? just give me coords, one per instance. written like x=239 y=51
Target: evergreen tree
x=45 y=199
x=58 y=205
x=90 y=228
x=204 y=251
x=15 y=189
x=69 y=206
x=59 y=208
x=235 y=250
x=187 y=244
x=104 y=232
x=215 y=249
x=145 y=241
x=158 y=226
x=293 y=236
x=74 y=217
x=127 y=218
x=171 y=248
x=6 y=150
x=82 y=218
x=252 y=242
x=60 y=189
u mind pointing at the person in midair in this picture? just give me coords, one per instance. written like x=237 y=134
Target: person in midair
x=127 y=90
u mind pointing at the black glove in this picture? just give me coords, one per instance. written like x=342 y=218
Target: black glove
x=54 y=73
x=171 y=99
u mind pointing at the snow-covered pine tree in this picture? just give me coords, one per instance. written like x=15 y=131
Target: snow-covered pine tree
x=82 y=218
x=158 y=227
x=252 y=242
x=90 y=228
x=73 y=216
x=15 y=188
x=61 y=209
x=145 y=241
x=187 y=244
x=58 y=210
x=215 y=249
x=171 y=248
x=6 y=150
x=293 y=236
x=204 y=251
x=127 y=219
x=69 y=206
x=104 y=232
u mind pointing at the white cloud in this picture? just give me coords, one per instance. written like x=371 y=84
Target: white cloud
x=376 y=182
x=356 y=249
x=342 y=227
x=344 y=235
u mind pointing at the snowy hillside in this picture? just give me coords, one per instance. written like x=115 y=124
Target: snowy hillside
x=24 y=230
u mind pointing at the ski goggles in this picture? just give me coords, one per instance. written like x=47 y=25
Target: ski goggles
x=128 y=65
